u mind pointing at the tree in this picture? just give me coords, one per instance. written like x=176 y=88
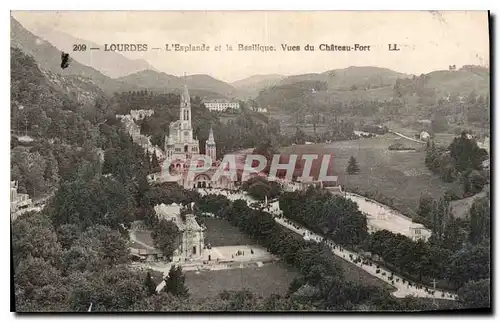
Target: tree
x=267 y=150
x=34 y=235
x=32 y=168
x=474 y=183
x=155 y=164
x=39 y=286
x=476 y=294
x=115 y=289
x=51 y=174
x=425 y=206
x=165 y=237
x=479 y=220
x=352 y=166
x=97 y=248
x=472 y=263
x=453 y=237
x=239 y=300
x=150 y=284
x=175 y=282
x=67 y=234
x=300 y=136
x=440 y=213
x=466 y=153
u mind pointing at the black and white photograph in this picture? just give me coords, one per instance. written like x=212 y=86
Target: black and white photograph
x=250 y=161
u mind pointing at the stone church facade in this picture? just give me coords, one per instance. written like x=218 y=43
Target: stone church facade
x=190 y=242
x=181 y=146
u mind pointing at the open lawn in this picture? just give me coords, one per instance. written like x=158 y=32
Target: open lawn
x=290 y=129
x=460 y=208
x=265 y=280
x=221 y=233
x=398 y=175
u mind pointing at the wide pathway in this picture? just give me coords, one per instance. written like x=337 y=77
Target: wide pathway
x=406 y=137
x=133 y=237
x=403 y=287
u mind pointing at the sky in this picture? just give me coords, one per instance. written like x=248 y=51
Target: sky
x=427 y=40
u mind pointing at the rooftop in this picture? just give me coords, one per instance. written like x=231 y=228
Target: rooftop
x=218 y=100
x=172 y=212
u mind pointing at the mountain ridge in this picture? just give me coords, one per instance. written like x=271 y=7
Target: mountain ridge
x=48 y=57
x=161 y=81
x=111 y=64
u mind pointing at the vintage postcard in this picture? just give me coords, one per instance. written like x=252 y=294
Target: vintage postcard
x=167 y=161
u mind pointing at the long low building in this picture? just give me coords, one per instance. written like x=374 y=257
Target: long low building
x=220 y=105
x=381 y=217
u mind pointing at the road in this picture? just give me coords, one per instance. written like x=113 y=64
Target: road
x=406 y=137
x=134 y=239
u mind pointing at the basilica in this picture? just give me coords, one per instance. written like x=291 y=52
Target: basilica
x=181 y=146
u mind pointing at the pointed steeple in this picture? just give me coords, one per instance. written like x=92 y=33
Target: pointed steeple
x=210 y=148
x=185 y=94
x=211 y=136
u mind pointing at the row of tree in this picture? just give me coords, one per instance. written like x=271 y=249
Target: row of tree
x=333 y=216
x=448 y=255
x=260 y=188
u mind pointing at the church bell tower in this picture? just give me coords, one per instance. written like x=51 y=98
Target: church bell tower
x=210 y=148
x=185 y=115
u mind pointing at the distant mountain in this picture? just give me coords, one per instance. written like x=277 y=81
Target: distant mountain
x=110 y=63
x=252 y=85
x=152 y=79
x=48 y=58
x=462 y=81
x=362 y=77
x=200 y=85
x=372 y=84
x=78 y=89
x=290 y=96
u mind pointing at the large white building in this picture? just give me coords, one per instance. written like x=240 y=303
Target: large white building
x=220 y=105
x=140 y=114
x=381 y=217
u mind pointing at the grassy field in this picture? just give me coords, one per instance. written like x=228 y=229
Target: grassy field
x=265 y=280
x=441 y=139
x=460 y=208
x=290 y=129
x=399 y=175
x=221 y=233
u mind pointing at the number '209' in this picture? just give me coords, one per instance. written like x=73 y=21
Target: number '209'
x=79 y=47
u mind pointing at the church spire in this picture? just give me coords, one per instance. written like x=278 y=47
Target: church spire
x=185 y=94
x=211 y=136
x=210 y=148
